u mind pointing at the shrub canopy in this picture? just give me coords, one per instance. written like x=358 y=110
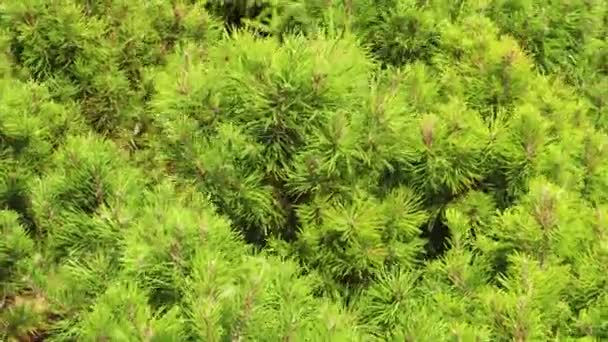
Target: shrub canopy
x=304 y=170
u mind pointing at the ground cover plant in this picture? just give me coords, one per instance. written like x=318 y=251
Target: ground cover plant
x=370 y=170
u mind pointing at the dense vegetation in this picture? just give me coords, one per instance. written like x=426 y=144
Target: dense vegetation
x=311 y=170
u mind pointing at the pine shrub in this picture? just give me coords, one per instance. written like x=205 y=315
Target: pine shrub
x=303 y=170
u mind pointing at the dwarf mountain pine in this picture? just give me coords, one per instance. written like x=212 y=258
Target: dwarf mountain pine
x=303 y=170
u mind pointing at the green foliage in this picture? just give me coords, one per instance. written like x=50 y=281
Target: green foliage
x=303 y=170
x=401 y=32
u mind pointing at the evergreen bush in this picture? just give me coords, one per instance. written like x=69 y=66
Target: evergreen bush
x=303 y=170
